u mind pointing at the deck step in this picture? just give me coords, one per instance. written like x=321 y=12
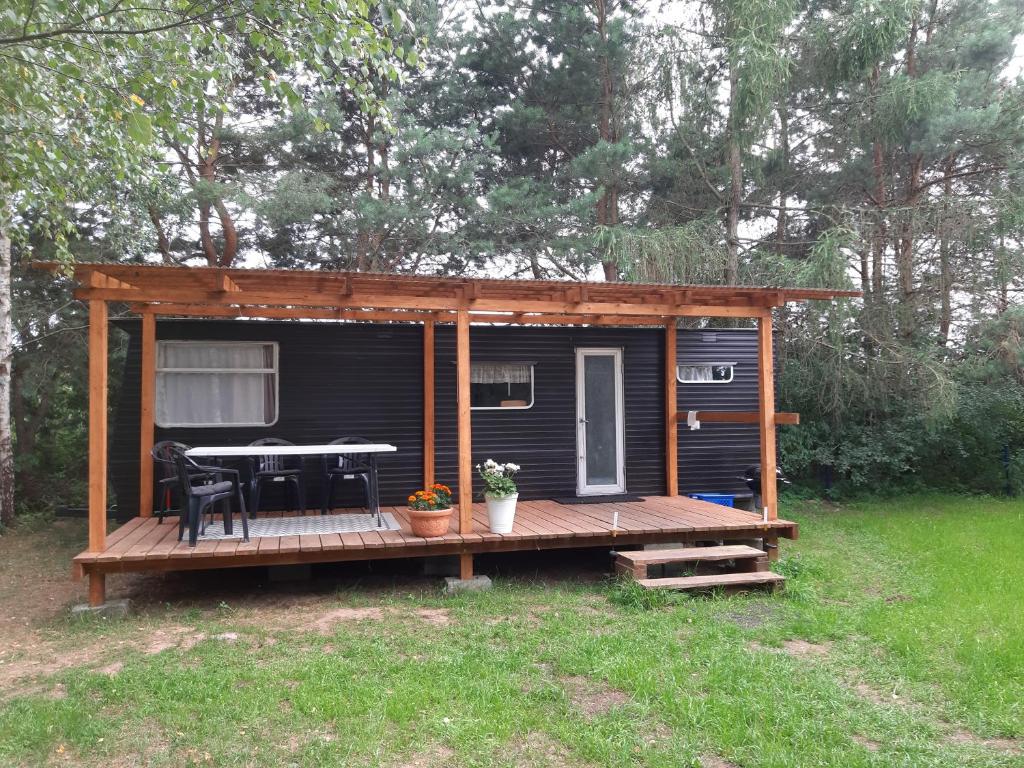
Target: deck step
x=690 y=554
x=717 y=580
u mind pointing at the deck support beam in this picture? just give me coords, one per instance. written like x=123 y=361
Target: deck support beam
x=671 y=420
x=428 y=403
x=466 y=566
x=147 y=373
x=766 y=414
x=97 y=441
x=464 y=424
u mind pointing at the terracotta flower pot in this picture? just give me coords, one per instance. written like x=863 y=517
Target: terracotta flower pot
x=430 y=523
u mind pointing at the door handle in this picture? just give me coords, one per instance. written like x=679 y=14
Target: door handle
x=583 y=421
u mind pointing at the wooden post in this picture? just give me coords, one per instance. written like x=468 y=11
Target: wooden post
x=671 y=405
x=766 y=413
x=464 y=422
x=428 y=403
x=97 y=441
x=466 y=566
x=147 y=372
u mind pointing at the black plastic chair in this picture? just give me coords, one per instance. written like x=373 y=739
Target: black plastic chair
x=202 y=489
x=272 y=469
x=346 y=467
x=168 y=483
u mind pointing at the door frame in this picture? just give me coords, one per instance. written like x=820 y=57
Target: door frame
x=582 y=489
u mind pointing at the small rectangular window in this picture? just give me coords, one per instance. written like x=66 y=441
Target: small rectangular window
x=216 y=383
x=501 y=385
x=705 y=373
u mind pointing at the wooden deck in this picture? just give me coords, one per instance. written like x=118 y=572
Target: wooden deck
x=142 y=544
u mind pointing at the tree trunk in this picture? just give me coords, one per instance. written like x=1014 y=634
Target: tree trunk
x=734 y=161
x=782 y=222
x=905 y=250
x=363 y=236
x=608 y=205
x=945 y=267
x=6 y=355
x=880 y=234
x=163 y=245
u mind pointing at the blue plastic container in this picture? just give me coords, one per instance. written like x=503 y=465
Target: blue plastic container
x=725 y=499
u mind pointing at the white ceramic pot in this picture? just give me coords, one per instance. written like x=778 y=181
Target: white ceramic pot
x=501 y=512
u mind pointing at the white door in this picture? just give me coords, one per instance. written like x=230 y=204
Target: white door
x=600 y=427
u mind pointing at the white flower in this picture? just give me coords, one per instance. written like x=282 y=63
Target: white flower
x=491 y=464
x=510 y=467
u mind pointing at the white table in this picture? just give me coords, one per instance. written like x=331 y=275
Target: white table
x=288 y=450
x=370 y=449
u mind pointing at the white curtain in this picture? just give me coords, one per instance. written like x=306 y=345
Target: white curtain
x=215 y=384
x=500 y=373
x=695 y=373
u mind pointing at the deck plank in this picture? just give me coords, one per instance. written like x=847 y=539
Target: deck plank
x=124 y=543
x=331 y=541
x=155 y=533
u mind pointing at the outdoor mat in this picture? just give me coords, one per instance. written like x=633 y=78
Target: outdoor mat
x=599 y=499
x=297 y=526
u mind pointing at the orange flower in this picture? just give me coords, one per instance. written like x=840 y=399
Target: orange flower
x=412 y=498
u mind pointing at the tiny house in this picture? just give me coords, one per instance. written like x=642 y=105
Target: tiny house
x=593 y=388
x=533 y=391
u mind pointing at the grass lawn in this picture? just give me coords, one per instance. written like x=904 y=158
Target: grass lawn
x=898 y=642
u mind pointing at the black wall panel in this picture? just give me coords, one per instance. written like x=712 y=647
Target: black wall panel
x=366 y=380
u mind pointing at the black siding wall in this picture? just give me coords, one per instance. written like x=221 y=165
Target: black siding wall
x=364 y=379
x=713 y=457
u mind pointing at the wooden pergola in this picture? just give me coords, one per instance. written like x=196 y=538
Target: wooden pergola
x=151 y=291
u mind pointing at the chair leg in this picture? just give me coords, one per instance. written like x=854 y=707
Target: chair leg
x=195 y=513
x=241 y=509
x=226 y=511
x=184 y=517
x=368 y=491
x=325 y=493
x=288 y=494
x=256 y=488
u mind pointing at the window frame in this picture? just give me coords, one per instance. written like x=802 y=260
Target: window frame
x=731 y=365
x=533 y=394
x=275 y=372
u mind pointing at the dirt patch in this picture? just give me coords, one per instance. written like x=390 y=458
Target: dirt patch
x=802 y=648
x=1009 y=746
x=438 y=616
x=435 y=756
x=325 y=623
x=165 y=638
x=538 y=750
x=592 y=697
x=869 y=693
x=713 y=761
x=869 y=744
x=111 y=669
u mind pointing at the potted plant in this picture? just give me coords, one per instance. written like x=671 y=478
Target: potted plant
x=501 y=494
x=430 y=511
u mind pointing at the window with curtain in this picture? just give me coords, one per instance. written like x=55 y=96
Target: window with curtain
x=501 y=385
x=216 y=384
x=705 y=373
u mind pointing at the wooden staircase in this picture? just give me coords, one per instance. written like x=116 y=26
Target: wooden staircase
x=750 y=567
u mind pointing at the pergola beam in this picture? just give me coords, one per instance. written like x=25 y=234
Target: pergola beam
x=419 y=303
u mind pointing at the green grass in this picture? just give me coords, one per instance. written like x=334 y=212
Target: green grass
x=914 y=609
